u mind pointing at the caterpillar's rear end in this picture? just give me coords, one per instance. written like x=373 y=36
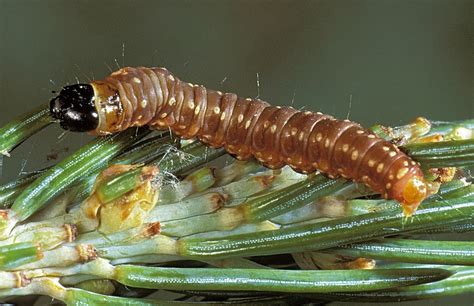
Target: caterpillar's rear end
x=276 y=136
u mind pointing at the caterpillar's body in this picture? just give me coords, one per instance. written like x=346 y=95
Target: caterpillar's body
x=276 y=136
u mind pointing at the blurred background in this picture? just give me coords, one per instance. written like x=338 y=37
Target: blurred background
x=374 y=61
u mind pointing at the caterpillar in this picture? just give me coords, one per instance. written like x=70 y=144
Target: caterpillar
x=276 y=136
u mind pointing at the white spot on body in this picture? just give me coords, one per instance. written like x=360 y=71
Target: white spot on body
x=301 y=136
x=401 y=173
x=247 y=124
x=354 y=155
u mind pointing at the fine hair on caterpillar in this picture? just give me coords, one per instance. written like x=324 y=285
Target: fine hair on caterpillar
x=168 y=177
x=275 y=135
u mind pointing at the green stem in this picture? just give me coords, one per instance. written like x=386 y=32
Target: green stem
x=440 y=127
x=465 y=191
x=417 y=251
x=450 y=190
x=272 y=280
x=18 y=130
x=455 y=153
x=332 y=233
x=18 y=254
x=461 y=227
x=452 y=186
x=119 y=185
x=10 y=191
x=461 y=282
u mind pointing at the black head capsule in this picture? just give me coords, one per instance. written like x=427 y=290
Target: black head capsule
x=75 y=109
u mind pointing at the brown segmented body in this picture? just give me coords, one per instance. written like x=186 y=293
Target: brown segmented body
x=276 y=136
